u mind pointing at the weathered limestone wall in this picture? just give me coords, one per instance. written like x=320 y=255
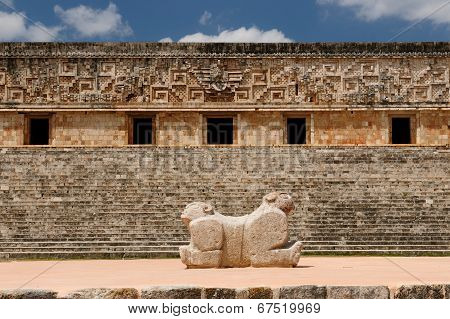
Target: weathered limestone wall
x=91 y=129
x=252 y=128
x=373 y=127
x=434 y=128
x=127 y=201
x=261 y=128
x=179 y=129
x=11 y=129
x=368 y=127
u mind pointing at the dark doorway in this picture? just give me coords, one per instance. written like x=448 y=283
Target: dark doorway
x=401 y=130
x=220 y=130
x=39 y=131
x=296 y=131
x=142 y=131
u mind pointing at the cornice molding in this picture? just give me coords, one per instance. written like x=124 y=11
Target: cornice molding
x=216 y=50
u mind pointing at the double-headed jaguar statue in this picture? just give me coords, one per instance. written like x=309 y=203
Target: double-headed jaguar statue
x=259 y=239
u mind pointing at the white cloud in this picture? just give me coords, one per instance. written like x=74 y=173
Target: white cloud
x=242 y=34
x=14 y=27
x=90 y=22
x=410 y=10
x=42 y=33
x=205 y=18
x=166 y=40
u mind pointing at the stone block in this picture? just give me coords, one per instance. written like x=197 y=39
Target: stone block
x=171 y=293
x=104 y=293
x=374 y=292
x=255 y=293
x=303 y=292
x=420 y=292
x=28 y=294
x=343 y=292
x=357 y=292
x=219 y=293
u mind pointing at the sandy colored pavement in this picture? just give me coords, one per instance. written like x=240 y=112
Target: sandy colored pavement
x=64 y=276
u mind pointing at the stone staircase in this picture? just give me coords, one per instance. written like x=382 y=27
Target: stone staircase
x=126 y=202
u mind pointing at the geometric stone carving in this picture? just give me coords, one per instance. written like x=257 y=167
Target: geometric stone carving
x=196 y=95
x=160 y=95
x=107 y=69
x=277 y=94
x=15 y=95
x=68 y=69
x=259 y=239
x=105 y=76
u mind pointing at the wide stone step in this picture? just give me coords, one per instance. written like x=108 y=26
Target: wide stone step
x=99 y=254
x=143 y=248
x=89 y=248
x=319 y=247
x=159 y=242
x=88 y=243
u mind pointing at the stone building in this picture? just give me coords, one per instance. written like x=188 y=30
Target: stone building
x=115 y=94
x=101 y=144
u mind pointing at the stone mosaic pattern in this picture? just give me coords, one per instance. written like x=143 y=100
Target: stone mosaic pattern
x=185 y=76
x=126 y=202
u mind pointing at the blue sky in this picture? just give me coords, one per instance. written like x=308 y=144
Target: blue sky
x=224 y=21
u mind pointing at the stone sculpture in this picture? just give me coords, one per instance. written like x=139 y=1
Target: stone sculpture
x=259 y=239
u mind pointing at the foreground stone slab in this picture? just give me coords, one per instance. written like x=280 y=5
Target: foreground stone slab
x=104 y=293
x=357 y=292
x=287 y=292
x=420 y=292
x=219 y=293
x=259 y=239
x=256 y=293
x=171 y=293
x=28 y=294
x=303 y=292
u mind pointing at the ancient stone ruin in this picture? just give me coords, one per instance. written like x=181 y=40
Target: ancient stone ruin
x=103 y=144
x=259 y=239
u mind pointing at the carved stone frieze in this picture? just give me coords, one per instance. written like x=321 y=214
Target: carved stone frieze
x=180 y=74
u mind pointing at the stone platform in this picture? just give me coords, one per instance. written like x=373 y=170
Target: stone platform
x=107 y=202
x=333 y=275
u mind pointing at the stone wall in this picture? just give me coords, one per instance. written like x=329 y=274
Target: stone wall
x=369 y=127
x=441 y=291
x=60 y=202
x=252 y=128
x=93 y=129
x=261 y=128
x=179 y=128
x=434 y=128
x=11 y=129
